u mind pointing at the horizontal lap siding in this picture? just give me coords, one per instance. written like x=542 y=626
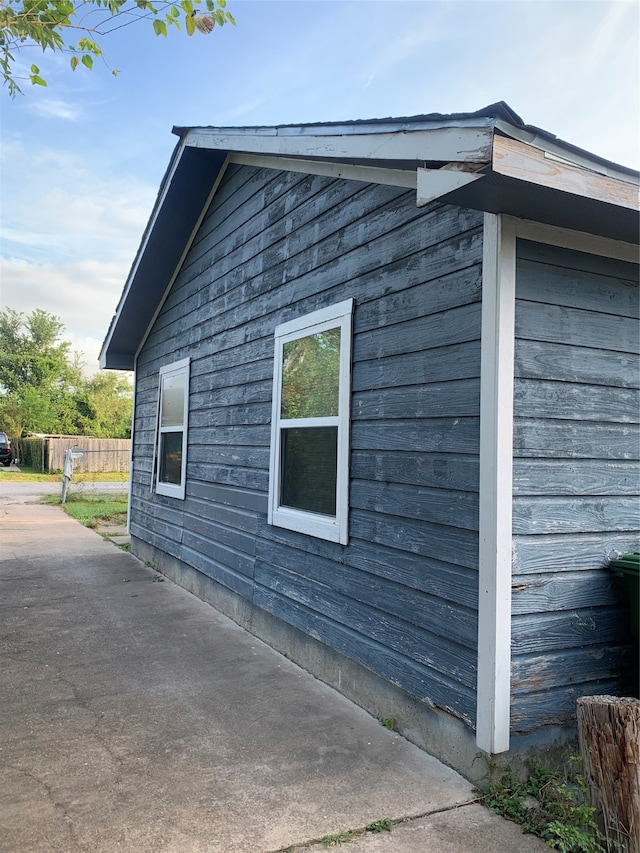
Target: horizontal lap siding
x=576 y=478
x=401 y=598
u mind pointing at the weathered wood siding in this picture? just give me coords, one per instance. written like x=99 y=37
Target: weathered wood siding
x=401 y=597
x=576 y=478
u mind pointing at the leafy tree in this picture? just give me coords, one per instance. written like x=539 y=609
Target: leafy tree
x=42 y=388
x=47 y=23
x=31 y=354
x=103 y=406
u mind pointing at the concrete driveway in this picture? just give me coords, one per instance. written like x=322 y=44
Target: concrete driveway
x=134 y=717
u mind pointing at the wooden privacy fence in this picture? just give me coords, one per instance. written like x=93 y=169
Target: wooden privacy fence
x=98 y=454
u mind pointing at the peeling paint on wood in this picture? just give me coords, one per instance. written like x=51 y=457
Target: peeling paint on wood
x=576 y=477
x=401 y=599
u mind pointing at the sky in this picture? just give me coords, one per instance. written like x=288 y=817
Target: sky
x=81 y=160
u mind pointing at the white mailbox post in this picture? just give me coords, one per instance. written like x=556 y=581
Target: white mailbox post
x=67 y=469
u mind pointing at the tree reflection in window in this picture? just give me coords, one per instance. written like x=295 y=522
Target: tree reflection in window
x=311 y=376
x=309 y=464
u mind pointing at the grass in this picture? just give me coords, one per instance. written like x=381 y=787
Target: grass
x=31 y=475
x=94 y=510
x=339 y=837
x=346 y=835
x=550 y=805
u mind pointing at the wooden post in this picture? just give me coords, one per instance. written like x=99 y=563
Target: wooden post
x=609 y=734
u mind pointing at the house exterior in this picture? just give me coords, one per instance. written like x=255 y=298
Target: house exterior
x=386 y=411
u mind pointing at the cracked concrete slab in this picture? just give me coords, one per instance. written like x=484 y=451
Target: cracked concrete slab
x=137 y=718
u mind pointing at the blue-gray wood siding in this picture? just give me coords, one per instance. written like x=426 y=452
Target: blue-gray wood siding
x=576 y=478
x=401 y=597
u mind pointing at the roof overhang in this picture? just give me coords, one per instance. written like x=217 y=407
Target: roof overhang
x=487 y=160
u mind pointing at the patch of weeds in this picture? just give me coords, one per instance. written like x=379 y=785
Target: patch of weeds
x=347 y=835
x=94 y=509
x=388 y=723
x=383 y=825
x=550 y=805
x=339 y=837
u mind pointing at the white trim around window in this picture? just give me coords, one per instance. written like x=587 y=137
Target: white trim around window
x=171 y=429
x=309 y=461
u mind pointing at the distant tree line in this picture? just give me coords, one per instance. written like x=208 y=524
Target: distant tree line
x=43 y=388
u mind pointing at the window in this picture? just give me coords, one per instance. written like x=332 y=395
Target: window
x=309 y=469
x=173 y=406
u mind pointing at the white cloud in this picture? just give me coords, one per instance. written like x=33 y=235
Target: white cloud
x=55 y=108
x=63 y=210
x=83 y=295
x=70 y=235
x=570 y=68
x=89 y=348
x=426 y=32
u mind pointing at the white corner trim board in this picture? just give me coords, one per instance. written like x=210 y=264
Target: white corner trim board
x=496 y=463
x=496 y=454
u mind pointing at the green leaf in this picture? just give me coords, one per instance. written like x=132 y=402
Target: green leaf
x=190 y=24
x=87 y=61
x=74 y=62
x=222 y=3
x=174 y=12
x=35 y=69
x=230 y=18
x=210 y=5
x=159 y=28
x=38 y=81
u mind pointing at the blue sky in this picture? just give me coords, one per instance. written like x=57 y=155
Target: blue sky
x=82 y=160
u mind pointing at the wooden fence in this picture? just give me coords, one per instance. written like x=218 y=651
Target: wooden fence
x=98 y=454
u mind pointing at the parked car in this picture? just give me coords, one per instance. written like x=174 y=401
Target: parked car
x=6 y=454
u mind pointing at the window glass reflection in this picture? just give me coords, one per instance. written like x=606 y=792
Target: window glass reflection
x=311 y=376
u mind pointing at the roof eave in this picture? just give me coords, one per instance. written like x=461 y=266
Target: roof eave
x=462 y=155
x=183 y=193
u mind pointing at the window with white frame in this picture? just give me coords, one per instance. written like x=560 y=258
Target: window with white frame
x=171 y=445
x=309 y=465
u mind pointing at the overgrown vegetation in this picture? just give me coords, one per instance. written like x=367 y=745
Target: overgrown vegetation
x=550 y=805
x=43 y=388
x=94 y=510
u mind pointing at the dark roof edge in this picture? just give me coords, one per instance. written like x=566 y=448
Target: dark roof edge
x=500 y=111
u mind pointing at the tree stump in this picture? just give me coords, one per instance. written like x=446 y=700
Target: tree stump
x=609 y=735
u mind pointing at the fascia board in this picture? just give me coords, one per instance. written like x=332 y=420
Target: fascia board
x=444 y=144
x=185 y=250
x=187 y=187
x=526 y=162
x=162 y=193
x=567 y=152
